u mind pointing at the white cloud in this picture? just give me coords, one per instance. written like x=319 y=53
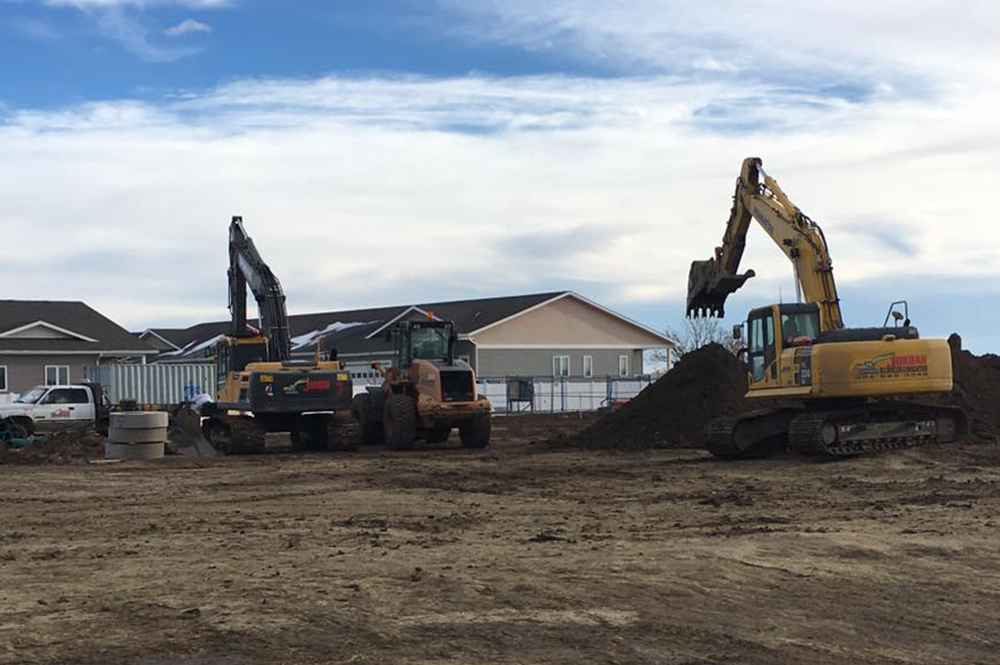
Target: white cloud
x=372 y=191
x=763 y=39
x=186 y=26
x=133 y=36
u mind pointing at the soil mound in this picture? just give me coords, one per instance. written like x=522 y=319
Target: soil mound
x=672 y=412
x=70 y=446
x=710 y=383
x=977 y=390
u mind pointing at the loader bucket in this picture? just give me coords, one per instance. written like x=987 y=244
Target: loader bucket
x=708 y=288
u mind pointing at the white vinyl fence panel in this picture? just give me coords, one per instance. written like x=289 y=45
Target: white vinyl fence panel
x=154 y=384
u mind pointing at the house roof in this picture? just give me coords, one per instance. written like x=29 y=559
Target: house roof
x=358 y=331
x=63 y=327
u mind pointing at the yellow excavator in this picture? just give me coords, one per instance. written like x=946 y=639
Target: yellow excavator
x=850 y=387
x=260 y=387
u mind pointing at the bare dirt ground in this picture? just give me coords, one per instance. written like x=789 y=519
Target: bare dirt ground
x=517 y=554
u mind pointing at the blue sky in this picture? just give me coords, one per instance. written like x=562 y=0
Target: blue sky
x=512 y=146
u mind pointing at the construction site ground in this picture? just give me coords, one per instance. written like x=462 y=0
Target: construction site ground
x=521 y=553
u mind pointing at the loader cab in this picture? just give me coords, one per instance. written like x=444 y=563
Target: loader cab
x=432 y=340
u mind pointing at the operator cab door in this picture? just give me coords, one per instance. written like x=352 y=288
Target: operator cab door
x=761 y=349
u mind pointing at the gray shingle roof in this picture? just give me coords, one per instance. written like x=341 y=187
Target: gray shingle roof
x=73 y=316
x=468 y=316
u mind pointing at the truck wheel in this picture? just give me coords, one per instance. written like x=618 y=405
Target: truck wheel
x=369 y=428
x=21 y=427
x=439 y=434
x=399 y=424
x=475 y=433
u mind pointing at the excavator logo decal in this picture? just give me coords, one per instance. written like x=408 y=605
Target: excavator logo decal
x=891 y=366
x=307 y=386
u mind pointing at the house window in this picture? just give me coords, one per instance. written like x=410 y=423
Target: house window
x=588 y=366
x=3 y=378
x=623 y=369
x=560 y=366
x=57 y=375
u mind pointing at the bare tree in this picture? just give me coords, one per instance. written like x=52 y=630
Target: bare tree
x=697 y=332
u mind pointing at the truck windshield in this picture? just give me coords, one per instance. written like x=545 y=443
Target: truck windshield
x=31 y=396
x=430 y=343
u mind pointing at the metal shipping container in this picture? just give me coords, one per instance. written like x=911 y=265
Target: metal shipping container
x=154 y=384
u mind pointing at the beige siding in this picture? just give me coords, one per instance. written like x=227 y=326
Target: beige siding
x=23 y=372
x=569 y=321
x=538 y=362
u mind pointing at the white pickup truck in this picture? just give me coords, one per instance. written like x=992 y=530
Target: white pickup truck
x=48 y=408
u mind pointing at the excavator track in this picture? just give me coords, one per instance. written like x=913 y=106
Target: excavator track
x=315 y=432
x=754 y=434
x=343 y=434
x=235 y=435
x=875 y=428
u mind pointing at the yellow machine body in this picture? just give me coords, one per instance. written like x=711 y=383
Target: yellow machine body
x=889 y=366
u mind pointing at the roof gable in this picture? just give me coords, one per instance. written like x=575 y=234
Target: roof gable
x=572 y=320
x=28 y=326
x=43 y=330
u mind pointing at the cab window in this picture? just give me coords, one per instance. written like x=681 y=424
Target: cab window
x=800 y=325
x=761 y=351
x=67 y=396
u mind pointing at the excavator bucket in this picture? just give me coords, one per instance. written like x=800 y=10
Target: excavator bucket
x=708 y=288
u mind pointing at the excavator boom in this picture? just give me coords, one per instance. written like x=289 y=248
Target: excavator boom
x=247 y=268
x=759 y=197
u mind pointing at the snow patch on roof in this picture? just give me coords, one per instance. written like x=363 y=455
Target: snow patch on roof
x=302 y=341
x=194 y=347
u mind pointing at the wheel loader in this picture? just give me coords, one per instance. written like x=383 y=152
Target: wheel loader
x=425 y=394
x=851 y=390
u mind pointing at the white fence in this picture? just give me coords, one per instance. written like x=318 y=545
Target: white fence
x=154 y=384
x=545 y=394
x=550 y=395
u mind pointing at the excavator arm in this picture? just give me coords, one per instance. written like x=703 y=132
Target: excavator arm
x=247 y=268
x=758 y=196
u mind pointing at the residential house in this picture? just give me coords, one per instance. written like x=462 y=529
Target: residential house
x=561 y=334
x=51 y=342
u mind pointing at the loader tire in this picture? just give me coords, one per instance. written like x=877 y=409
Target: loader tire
x=399 y=423
x=475 y=433
x=369 y=428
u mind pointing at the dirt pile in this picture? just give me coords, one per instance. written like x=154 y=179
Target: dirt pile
x=710 y=383
x=672 y=412
x=977 y=390
x=185 y=427
x=70 y=446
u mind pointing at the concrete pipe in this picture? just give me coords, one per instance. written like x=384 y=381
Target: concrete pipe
x=129 y=451
x=139 y=419
x=152 y=435
x=136 y=435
